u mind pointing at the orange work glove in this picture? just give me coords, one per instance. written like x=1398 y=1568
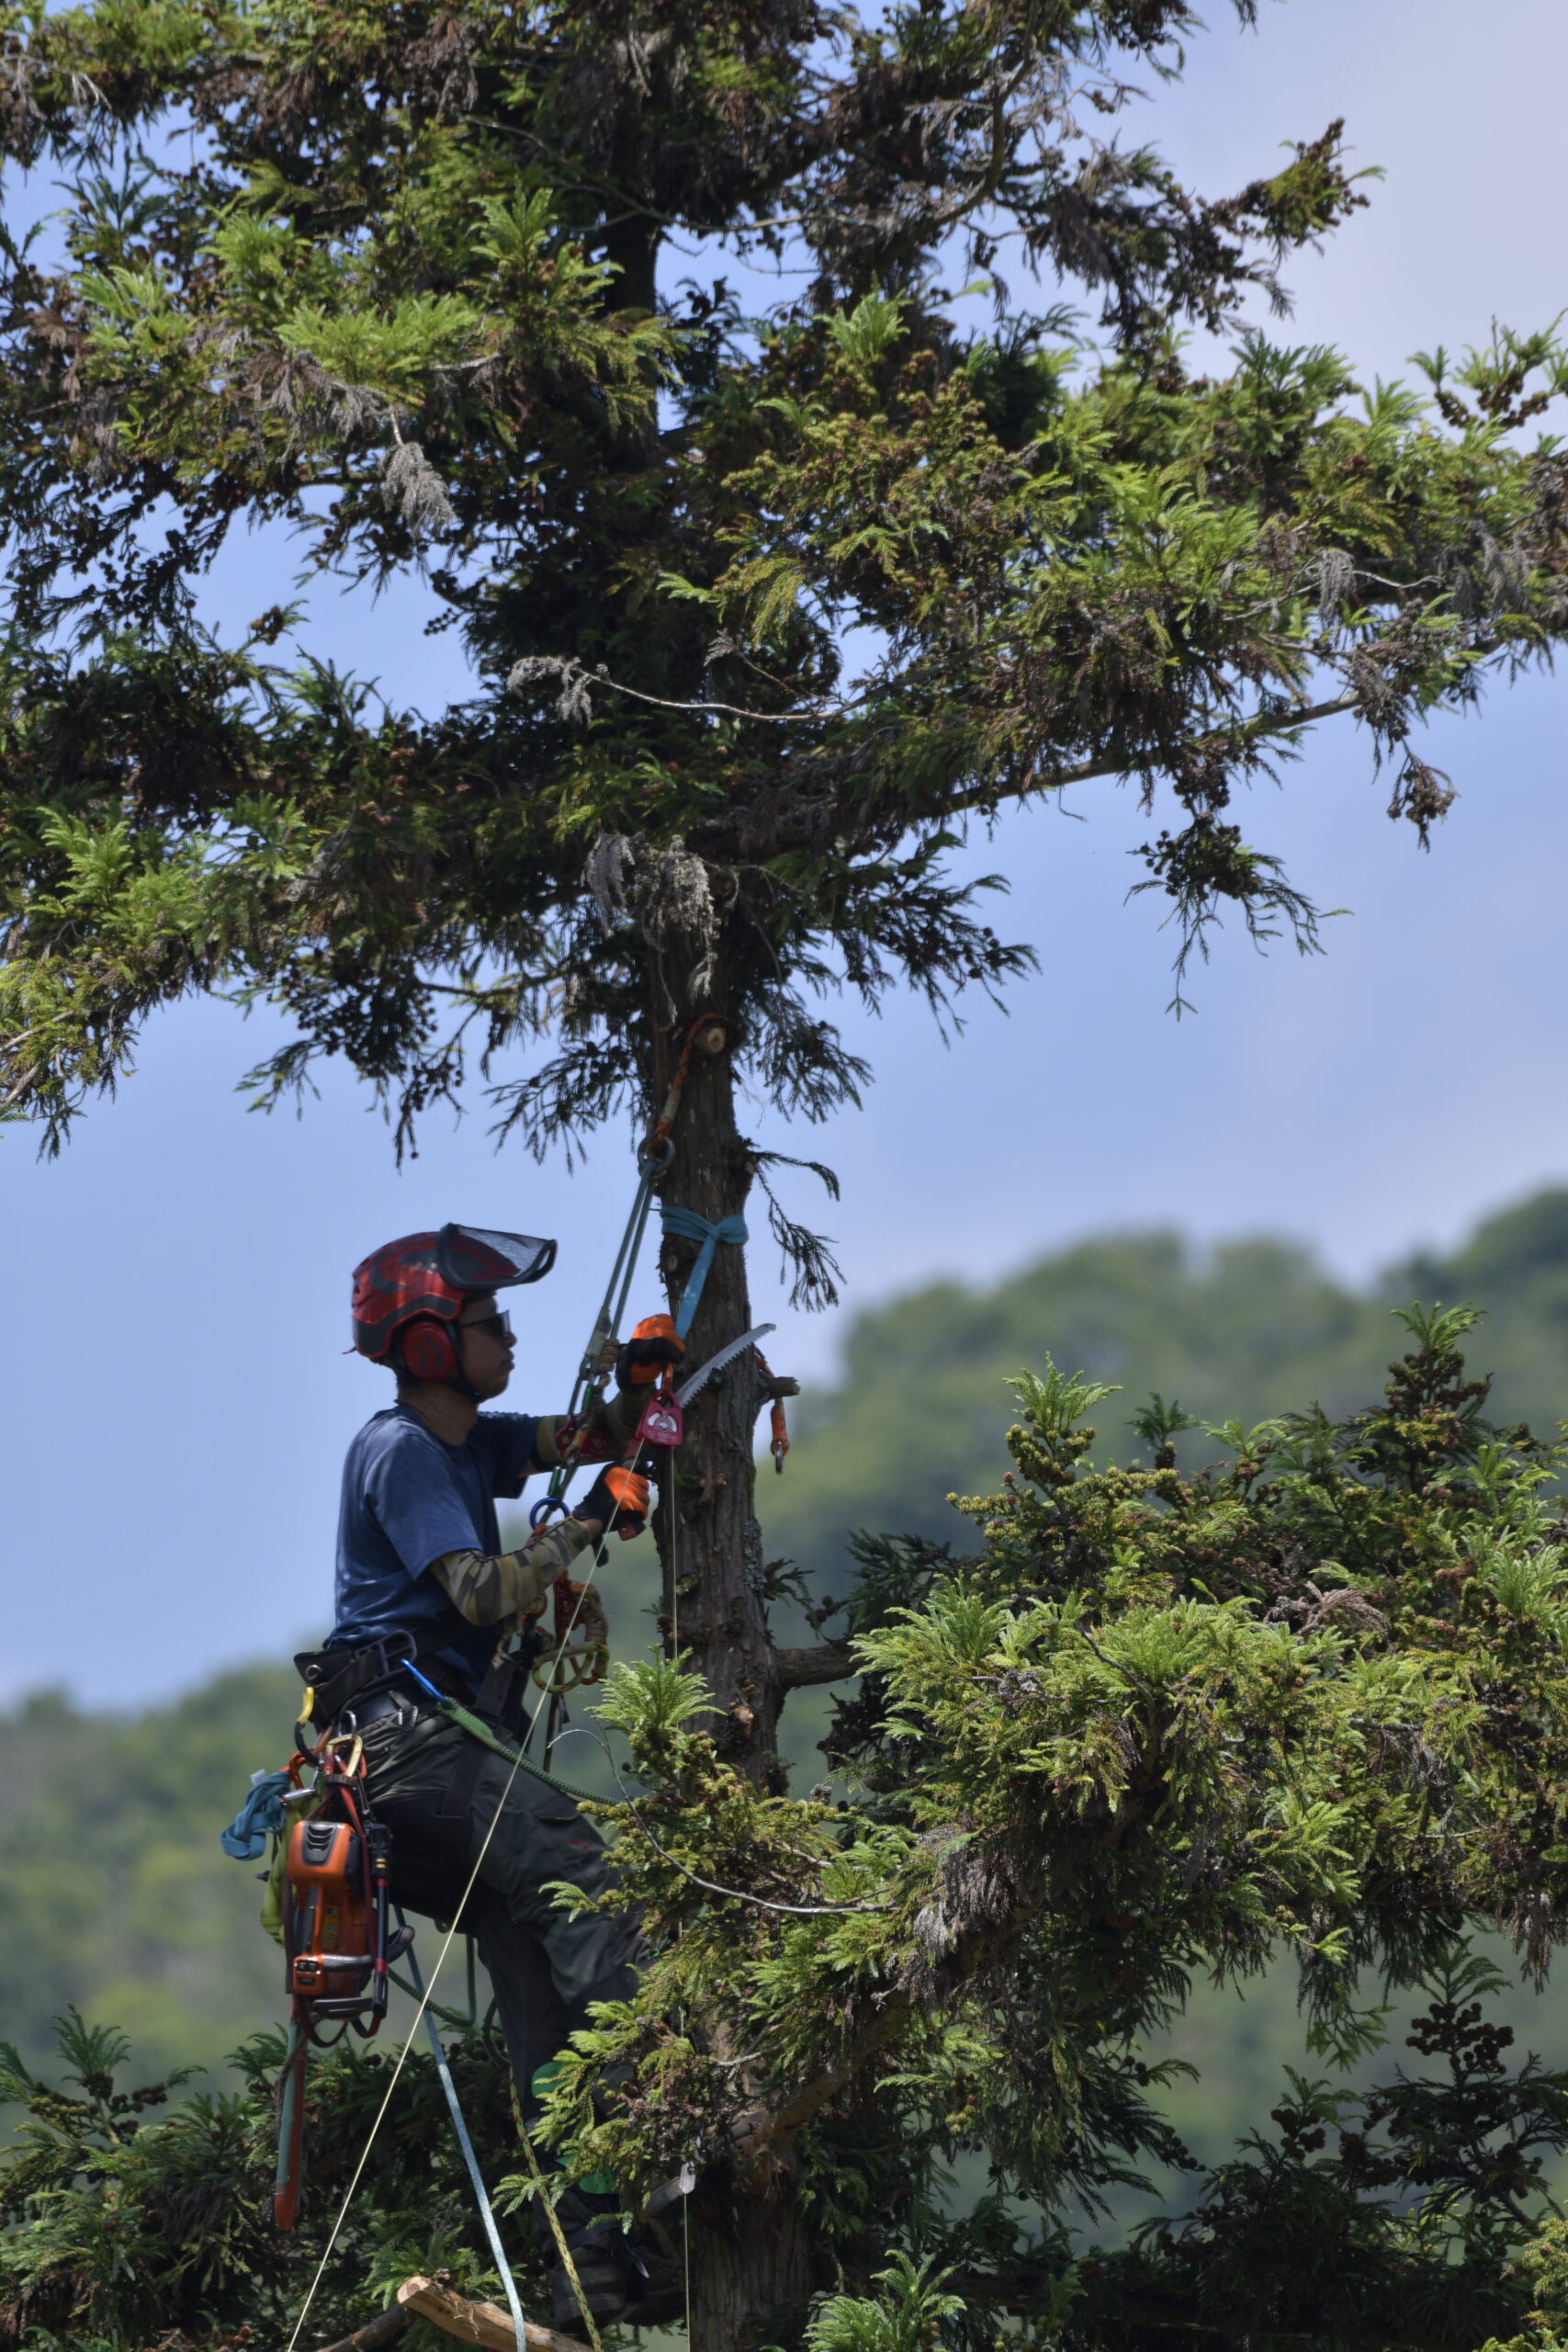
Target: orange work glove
x=618 y=1496
x=652 y=1348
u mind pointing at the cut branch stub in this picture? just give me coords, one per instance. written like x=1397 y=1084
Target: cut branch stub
x=477 y=2323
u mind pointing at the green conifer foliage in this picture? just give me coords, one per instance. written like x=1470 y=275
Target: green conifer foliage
x=401 y=286
x=1312 y=1700
x=400 y=275
x=390 y=277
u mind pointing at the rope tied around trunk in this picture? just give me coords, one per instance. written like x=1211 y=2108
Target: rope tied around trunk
x=686 y=1224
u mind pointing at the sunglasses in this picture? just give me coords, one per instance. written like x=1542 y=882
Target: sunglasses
x=494 y=1326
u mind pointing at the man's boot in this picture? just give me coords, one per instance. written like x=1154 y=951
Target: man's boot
x=622 y=2276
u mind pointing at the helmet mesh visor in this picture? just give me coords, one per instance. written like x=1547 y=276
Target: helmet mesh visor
x=475 y=1258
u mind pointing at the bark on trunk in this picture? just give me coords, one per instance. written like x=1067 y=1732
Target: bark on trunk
x=750 y=2256
x=750 y=2273
x=709 y=1543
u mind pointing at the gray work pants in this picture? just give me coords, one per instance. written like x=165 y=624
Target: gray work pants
x=546 y=1967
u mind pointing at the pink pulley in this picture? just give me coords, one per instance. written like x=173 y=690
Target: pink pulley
x=663 y=1422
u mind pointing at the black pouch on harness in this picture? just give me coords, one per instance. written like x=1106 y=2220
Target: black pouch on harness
x=335 y=1678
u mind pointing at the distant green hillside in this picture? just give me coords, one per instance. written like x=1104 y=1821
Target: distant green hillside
x=1249 y=1328
x=117 y=1898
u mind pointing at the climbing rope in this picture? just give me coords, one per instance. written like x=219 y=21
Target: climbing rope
x=653 y=1158
x=568 y=2264
x=519 y=1762
x=675 y=1654
x=592 y=1372
x=487 y=2212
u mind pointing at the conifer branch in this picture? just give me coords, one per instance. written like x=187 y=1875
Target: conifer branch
x=827 y=1662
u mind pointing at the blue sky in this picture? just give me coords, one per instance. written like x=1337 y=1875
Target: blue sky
x=175 y=1393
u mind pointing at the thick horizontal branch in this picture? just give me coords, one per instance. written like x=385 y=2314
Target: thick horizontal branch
x=763 y=2138
x=829 y=1662
x=989 y=796
x=1087 y=771
x=760 y=2138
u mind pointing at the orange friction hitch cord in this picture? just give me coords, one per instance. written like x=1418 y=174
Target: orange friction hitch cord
x=780 y=1427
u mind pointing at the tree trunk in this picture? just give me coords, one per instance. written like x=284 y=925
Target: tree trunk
x=750 y=2256
x=750 y=2273
x=709 y=1543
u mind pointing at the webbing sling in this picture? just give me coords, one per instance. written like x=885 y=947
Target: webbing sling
x=456 y=1713
x=687 y=1226
x=489 y=1706
x=450 y=2089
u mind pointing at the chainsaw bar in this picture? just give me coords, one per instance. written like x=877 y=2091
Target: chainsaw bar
x=705 y=1373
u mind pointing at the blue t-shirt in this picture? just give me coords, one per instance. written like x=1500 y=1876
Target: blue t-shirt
x=408 y=1496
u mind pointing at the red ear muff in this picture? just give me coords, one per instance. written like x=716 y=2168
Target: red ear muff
x=428 y=1348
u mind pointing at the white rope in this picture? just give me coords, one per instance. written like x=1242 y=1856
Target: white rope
x=675 y=1653
x=440 y=1956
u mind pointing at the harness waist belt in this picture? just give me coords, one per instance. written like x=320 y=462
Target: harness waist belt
x=375 y=1706
x=338 y=1677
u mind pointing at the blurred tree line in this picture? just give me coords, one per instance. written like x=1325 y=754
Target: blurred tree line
x=121 y=1903
x=119 y=1898
x=1246 y=1330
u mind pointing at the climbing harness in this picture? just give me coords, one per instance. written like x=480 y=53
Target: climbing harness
x=519 y=1762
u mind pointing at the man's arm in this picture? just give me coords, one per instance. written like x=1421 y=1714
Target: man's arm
x=611 y=1428
x=488 y=1587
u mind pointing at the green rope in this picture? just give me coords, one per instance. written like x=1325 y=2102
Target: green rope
x=477 y=1728
x=553 y=2218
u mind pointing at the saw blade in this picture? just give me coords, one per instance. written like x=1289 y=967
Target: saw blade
x=705 y=1373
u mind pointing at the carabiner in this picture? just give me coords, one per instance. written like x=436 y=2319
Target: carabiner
x=655 y=1153
x=572 y=1668
x=543 y=1507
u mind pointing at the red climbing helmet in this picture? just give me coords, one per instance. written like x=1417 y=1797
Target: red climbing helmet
x=407 y=1291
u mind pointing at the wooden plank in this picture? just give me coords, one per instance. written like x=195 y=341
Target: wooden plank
x=383 y=2329
x=485 y=2324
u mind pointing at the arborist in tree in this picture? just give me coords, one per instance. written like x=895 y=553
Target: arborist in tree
x=421 y=1576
